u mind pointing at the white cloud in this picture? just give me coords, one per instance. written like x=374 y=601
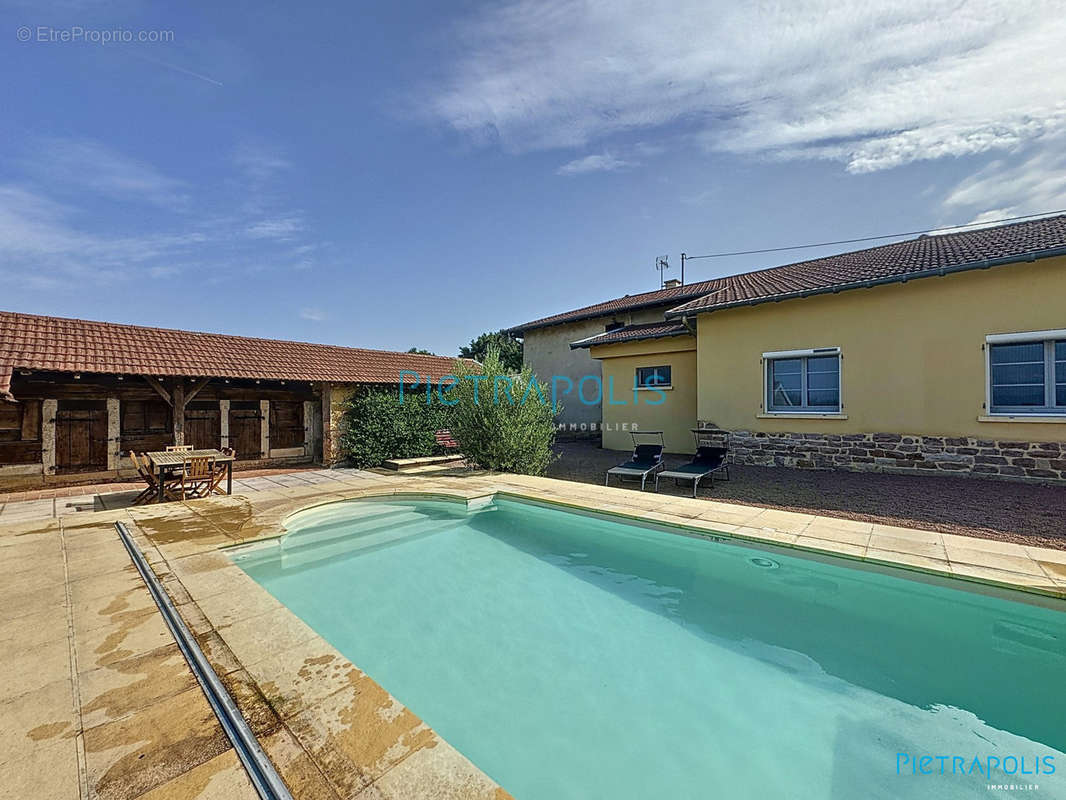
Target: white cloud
x=1034 y=185
x=313 y=314
x=282 y=228
x=871 y=85
x=79 y=166
x=594 y=163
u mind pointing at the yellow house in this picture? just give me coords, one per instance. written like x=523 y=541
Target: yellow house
x=942 y=353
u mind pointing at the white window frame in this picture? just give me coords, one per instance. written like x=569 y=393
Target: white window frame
x=641 y=388
x=1049 y=409
x=801 y=411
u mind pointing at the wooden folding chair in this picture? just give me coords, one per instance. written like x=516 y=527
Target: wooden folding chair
x=151 y=491
x=179 y=448
x=219 y=475
x=196 y=476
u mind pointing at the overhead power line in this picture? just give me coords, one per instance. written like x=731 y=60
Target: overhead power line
x=872 y=238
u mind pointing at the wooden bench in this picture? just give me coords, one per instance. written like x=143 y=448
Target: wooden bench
x=446 y=440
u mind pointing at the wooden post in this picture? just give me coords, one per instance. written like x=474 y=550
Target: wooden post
x=327 y=427
x=179 y=412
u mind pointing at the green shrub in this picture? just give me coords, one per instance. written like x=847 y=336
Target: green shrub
x=377 y=427
x=502 y=433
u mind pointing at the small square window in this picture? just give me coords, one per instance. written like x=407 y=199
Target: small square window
x=653 y=377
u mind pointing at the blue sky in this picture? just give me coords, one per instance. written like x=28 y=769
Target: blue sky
x=412 y=174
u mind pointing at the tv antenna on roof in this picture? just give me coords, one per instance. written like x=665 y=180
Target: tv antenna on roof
x=662 y=264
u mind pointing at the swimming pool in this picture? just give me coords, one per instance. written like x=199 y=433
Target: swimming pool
x=575 y=656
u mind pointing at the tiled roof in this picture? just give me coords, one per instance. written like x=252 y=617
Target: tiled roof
x=631 y=302
x=907 y=260
x=898 y=261
x=73 y=345
x=634 y=333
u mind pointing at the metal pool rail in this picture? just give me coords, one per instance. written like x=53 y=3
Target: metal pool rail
x=260 y=770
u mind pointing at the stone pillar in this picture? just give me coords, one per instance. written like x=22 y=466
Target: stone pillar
x=327 y=427
x=114 y=435
x=309 y=427
x=264 y=429
x=223 y=422
x=49 y=408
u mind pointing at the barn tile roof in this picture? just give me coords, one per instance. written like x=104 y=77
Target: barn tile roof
x=634 y=333
x=914 y=258
x=56 y=344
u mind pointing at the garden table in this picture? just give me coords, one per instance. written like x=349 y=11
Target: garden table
x=164 y=462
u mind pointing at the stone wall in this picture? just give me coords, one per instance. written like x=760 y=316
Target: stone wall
x=898 y=453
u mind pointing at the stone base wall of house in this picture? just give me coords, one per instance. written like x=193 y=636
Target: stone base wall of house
x=896 y=453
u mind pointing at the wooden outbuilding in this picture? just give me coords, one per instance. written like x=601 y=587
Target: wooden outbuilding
x=76 y=396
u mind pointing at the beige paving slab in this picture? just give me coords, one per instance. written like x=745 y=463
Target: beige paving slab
x=297 y=769
x=301 y=676
x=228 y=578
x=430 y=773
x=765 y=535
x=35 y=720
x=220 y=655
x=818 y=530
x=16 y=531
x=133 y=635
x=33 y=629
x=114 y=609
x=23 y=563
x=784 y=521
x=358 y=734
x=31 y=579
x=840 y=524
x=126 y=686
x=151 y=747
x=1001 y=561
x=832 y=546
x=25 y=669
x=110 y=584
x=96 y=564
x=225 y=608
x=259 y=637
x=998 y=577
x=50 y=598
x=221 y=778
x=908 y=546
x=907 y=533
x=27 y=779
x=907 y=559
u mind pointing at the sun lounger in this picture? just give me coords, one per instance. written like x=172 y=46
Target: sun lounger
x=707 y=461
x=647 y=459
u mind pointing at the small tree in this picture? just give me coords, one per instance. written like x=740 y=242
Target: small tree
x=507 y=345
x=502 y=422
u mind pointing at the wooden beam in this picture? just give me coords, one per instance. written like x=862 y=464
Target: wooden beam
x=196 y=387
x=155 y=384
x=179 y=411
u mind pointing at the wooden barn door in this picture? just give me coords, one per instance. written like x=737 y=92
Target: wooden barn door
x=81 y=436
x=203 y=425
x=286 y=424
x=245 y=425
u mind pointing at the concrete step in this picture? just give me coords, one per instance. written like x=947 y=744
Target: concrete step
x=417 y=464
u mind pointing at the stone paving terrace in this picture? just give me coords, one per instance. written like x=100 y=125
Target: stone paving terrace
x=98 y=703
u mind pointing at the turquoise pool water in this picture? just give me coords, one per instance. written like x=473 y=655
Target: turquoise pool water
x=570 y=656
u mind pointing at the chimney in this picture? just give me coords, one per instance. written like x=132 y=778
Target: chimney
x=671 y=283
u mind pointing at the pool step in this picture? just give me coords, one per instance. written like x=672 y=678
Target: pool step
x=308 y=553
x=345 y=522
